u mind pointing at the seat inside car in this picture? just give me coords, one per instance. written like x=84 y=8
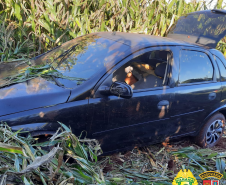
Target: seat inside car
x=151 y=80
x=146 y=71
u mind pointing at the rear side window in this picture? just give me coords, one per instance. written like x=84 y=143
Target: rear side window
x=195 y=67
x=222 y=68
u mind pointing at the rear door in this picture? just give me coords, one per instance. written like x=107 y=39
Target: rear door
x=203 y=27
x=198 y=91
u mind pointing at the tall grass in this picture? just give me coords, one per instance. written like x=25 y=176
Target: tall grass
x=48 y=23
x=24 y=162
x=73 y=160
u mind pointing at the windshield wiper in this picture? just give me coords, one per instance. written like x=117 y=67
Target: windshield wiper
x=66 y=53
x=63 y=57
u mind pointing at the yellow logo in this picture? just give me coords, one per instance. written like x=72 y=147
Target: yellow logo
x=208 y=174
x=185 y=178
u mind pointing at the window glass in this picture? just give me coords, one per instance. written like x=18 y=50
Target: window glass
x=203 y=23
x=145 y=71
x=82 y=57
x=222 y=68
x=195 y=67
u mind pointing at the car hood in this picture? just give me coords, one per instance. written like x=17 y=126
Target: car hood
x=206 y=28
x=32 y=94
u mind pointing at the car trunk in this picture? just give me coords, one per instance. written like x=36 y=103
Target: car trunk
x=206 y=28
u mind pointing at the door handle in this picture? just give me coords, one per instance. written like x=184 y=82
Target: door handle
x=163 y=103
x=212 y=96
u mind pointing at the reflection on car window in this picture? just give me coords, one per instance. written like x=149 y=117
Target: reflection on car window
x=83 y=57
x=201 y=23
x=145 y=71
x=195 y=67
x=222 y=68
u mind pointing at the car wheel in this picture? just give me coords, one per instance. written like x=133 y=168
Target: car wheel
x=211 y=132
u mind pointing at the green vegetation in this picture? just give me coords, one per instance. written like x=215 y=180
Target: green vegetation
x=75 y=160
x=21 y=160
x=30 y=72
x=30 y=27
x=44 y=71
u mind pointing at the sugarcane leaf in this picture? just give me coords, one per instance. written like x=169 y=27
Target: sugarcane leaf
x=47 y=143
x=9 y=148
x=17 y=163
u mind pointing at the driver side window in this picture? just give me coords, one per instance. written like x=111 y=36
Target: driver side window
x=145 y=71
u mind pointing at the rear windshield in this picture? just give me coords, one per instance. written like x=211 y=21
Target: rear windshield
x=205 y=23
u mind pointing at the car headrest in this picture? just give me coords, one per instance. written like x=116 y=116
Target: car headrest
x=163 y=55
x=160 y=69
x=153 y=62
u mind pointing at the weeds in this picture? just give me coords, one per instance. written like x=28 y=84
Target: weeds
x=11 y=49
x=24 y=161
x=33 y=27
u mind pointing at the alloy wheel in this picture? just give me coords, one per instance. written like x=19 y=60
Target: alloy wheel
x=214 y=132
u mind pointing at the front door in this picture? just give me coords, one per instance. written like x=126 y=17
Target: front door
x=119 y=122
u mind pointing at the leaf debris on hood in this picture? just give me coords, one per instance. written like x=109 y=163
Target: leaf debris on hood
x=30 y=72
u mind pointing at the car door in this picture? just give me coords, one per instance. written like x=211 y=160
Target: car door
x=119 y=122
x=198 y=91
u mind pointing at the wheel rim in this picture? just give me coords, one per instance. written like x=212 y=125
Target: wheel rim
x=214 y=132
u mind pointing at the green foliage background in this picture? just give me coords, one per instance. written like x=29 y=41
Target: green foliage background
x=31 y=27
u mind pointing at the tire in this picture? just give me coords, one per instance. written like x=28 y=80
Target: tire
x=212 y=131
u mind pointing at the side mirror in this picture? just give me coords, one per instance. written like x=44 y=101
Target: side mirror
x=121 y=89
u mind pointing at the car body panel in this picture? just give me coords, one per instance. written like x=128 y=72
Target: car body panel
x=206 y=28
x=135 y=120
x=221 y=109
x=193 y=105
x=73 y=114
x=32 y=94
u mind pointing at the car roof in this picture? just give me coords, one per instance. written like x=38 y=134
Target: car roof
x=142 y=40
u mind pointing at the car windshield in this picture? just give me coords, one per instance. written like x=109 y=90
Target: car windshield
x=81 y=58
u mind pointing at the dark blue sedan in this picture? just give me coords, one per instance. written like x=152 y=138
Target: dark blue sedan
x=128 y=89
